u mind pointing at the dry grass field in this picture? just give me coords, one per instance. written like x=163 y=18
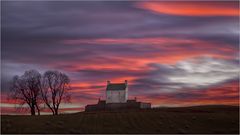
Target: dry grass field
x=199 y=119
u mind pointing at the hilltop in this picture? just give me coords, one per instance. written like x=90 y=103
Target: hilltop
x=198 y=119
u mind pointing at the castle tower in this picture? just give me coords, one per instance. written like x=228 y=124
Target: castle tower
x=117 y=92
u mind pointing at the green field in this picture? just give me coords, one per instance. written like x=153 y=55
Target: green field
x=201 y=119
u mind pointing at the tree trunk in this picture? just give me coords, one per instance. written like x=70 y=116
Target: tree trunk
x=38 y=110
x=53 y=111
x=56 y=111
x=32 y=111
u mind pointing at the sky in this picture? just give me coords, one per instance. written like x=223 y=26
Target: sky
x=171 y=53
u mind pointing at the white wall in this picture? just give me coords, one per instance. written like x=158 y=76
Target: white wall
x=116 y=96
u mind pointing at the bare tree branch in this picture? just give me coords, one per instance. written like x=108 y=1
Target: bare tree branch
x=26 y=88
x=55 y=86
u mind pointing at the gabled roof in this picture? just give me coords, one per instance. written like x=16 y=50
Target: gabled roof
x=116 y=86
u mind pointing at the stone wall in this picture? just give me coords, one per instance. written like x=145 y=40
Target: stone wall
x=131 y=104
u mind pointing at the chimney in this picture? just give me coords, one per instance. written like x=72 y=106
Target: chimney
x=108 y=82
x=125 y=82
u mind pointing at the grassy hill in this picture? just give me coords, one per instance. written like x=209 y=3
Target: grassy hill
x=199 y=119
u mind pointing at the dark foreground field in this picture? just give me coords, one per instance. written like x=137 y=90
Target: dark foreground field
x=202 y=119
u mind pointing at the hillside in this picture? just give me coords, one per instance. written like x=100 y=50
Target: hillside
x=199 y=119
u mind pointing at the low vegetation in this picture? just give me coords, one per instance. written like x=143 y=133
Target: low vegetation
x=200 y=119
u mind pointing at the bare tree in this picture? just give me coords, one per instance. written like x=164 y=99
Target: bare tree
x=26 y=89
x=54 y=89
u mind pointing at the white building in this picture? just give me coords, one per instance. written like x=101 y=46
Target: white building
x=117 y=92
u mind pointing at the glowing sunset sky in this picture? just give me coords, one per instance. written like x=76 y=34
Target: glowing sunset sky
x=172 y=53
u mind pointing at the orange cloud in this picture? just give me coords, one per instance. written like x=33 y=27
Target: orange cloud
x=138 y=41
x=178 y=49
x=85 y=87
x=190 y=8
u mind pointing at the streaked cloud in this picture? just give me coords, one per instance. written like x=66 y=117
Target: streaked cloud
x=205 y=71
x=204 y=8
x=171 y=54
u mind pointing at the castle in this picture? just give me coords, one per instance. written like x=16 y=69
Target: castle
x=117 y=99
